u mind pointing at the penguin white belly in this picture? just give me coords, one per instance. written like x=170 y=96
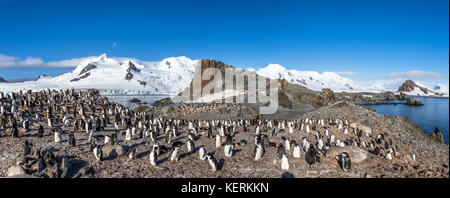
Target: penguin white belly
x=213 y=165
x=296 y=152
x=57 y=137
x=202 y=153
x=174 y=156
x=128 y=135
x=287 y=145
x=218 y=142
x=284 y=163
x=228 y=150
x=153 y=158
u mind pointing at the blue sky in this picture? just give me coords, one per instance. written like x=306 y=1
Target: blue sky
x=369 y=38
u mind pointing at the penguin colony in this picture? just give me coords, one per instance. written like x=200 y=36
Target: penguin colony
x=68 y=115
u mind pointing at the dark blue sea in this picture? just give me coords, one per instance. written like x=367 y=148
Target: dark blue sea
x=433 y=113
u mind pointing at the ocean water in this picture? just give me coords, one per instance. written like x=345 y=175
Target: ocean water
x=434 y=113
x=126 y=100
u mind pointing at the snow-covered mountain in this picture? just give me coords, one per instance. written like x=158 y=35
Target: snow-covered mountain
x=119 y=76
x=129 y=76
x=317 y=81
x=310 y=79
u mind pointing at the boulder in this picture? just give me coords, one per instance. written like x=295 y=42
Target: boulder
x=357 y=155
x=364 y=128
x=413 y=102
x=15 y=170
x=113 y=151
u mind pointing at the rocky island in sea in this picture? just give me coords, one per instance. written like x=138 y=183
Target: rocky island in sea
x=79 y=133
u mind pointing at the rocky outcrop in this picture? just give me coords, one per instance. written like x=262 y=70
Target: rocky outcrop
x=88 y=68
x=437 y=136
x=81 y=77
x=409 y=86
x=2 y=80
x=131 y=67
x=129 y=76
x=414 y=102
x=357 y=155
x=327 y=96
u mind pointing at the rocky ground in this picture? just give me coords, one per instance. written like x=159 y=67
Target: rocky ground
x=432 y=157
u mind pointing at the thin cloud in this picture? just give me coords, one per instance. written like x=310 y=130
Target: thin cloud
x=415 y=74
x=114 y=44
x=32 y=62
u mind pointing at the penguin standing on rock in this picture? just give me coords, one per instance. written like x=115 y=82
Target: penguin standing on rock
x=259 y=151
x=190 y=146
x=71 y=140
x=153 y=158
x=297 y=151
x=218 y=141
x=132 y=153
x=228 y=148
x=57 y=135
x=202 y=153
x=212 y=162
x=311 y=156
x=175 y=154
x=344 y=161
x=27 y=148
x=40 y=132
x=14 y=132
x=98 y=154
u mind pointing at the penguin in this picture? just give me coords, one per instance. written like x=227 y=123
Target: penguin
x=379 y=139
x=132 y=153
x=344 y=161
x=98 y=154
x=57 y=136
x=156 y=148
x=376 y=151
x=128 y=135
x=287 y=143
x=306 y=144
x=274 y=132
x=14 y=132
x=280 y=151
x=311 y=156
x=202 y=153
x=212 y=162
x=191 y=136
x=91 y=135
x=174 y=156
x=389 y=155
x=218 y=141
x=71 y=140
x=190 y=146
x=27 y=148
x=297 y=151
x=168 y=138
x=284 y=162
x=259 y=151
x=107 y=139
x=114 y=138
x=153 y=158
x=228 y=150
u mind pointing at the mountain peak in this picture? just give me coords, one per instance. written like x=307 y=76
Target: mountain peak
x=102 y=57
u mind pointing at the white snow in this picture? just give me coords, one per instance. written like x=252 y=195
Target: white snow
x=167 y=77
x=317 y=81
